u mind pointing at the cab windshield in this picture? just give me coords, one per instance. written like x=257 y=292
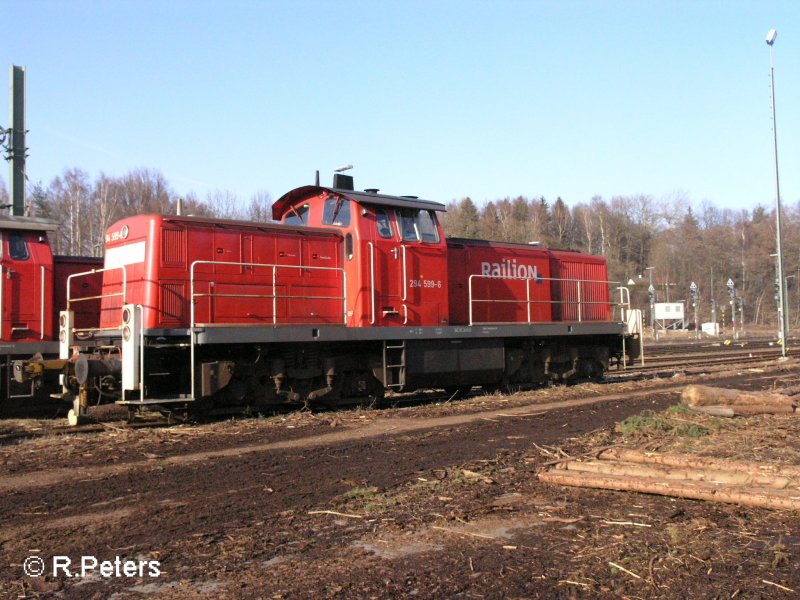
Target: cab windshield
x=417 y=225
x=297 y=215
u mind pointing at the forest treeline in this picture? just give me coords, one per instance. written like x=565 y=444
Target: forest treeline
x=682 y=243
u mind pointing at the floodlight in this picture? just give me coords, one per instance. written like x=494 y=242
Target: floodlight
x=773 y=33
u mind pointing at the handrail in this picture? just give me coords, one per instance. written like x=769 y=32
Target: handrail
x=141 y=352
x=371 y=282
x=528 y=302
x=123 y=293
x=274 y=296
x=624 y=302
x=41 y=308
x=405 y=274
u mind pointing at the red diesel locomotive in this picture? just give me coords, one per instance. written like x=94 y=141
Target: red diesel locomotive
x=33 y=290
x=350 y=294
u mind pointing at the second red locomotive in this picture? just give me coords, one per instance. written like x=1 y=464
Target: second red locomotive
x=351 y=294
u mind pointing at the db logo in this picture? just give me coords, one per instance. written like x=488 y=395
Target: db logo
x=117 y=235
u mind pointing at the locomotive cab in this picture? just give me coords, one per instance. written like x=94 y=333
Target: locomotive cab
x=33 y=287
x=395 y=253
x=26 y=272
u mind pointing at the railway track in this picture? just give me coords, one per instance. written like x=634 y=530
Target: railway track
x=721 y=345
x=705 y=354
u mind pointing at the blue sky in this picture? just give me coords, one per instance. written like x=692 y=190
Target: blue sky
x=441 y=99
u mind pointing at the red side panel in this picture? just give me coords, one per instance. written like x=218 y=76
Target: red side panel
x=498 y=283
x=81 y=286
x=241 y=274
x=580 y=287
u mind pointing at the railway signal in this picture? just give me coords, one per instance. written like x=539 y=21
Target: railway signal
x=695 y=296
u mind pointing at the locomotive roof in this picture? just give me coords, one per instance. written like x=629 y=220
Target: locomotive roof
x=221 y=223
x=27 y=223
x=374 y=198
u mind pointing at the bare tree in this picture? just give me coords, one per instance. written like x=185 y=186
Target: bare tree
x=260 y=208
x=105 y=210
x=4 y=198
x=223 y=204
x=69 y=197
x=144 y=191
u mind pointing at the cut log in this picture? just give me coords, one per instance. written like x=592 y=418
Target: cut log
x=699 y=462
x=693 y=490
x=670 y=473
x=704 y=395
x=715 y=411
x=745 y=410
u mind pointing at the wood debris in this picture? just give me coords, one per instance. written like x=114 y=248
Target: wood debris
x=683 y=476
x=724 y=402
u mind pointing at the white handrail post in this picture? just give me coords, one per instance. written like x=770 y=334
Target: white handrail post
x=344 y=296
x=192 y=317
x=579 y=300
x=528 y=295
x=372 y=282
x=41 y=307
x=141 y=352
x=470 y=298
x=275 y=295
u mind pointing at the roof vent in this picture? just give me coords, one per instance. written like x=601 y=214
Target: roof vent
x=411 y=197
x=372 y=190
x=343 y=182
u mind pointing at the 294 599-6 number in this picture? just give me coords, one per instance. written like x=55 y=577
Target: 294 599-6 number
x=425 y=283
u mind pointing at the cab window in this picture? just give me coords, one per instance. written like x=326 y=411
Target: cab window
x=336 y=211
x=405 y=222
x=427 y=226
x=383 y=224
x=416 y=225
x=297 y=215
x=18 y=247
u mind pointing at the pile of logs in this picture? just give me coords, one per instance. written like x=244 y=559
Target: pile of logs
x=723 y=402
x=751 y=484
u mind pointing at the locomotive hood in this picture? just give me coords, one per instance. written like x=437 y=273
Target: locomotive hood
x=367 y=197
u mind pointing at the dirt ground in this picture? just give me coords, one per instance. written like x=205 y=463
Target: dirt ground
x=431 y=500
